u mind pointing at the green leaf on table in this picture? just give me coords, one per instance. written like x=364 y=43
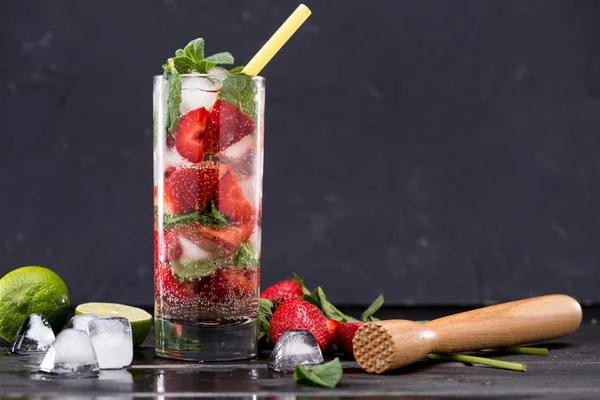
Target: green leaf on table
x=367 y=316
x=318 y=298
x=210 y=217
x=265 y=312
x=324 y=375
x=246 y=256
x=240 y=91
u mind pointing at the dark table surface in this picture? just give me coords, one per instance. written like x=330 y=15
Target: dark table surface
x=572 y=370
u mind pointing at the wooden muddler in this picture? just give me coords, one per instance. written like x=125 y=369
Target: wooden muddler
x=385 y=345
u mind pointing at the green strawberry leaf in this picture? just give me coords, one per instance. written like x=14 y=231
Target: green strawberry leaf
x=246 y=256
x=240 y=91
x=224 y=58
x=265 y=312
x=318 y=298
x=300 y=281
x=367 y=316
x=325 y=375
x=210 y=217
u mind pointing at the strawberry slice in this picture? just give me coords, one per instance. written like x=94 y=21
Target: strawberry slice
x=171 y=287
x=230 y=199
x=227 y=125
x=229 y=283
x=227 y=238
x=189 y=134
x=190 y=188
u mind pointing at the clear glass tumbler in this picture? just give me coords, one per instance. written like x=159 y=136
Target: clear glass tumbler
x=208 y=168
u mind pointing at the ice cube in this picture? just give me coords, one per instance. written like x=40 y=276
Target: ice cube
x=71 y=353
x=80 y=321
x=111 y=338
x=35 y=335
x=200 y=91
x=295 y=347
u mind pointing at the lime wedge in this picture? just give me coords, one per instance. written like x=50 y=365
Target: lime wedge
x=141 y=321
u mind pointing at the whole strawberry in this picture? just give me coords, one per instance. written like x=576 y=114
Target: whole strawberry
x=282 y=290
x=299 y=314
x=332 y=324
x=344 y=334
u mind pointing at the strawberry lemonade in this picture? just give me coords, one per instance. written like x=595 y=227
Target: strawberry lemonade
x=208 y=167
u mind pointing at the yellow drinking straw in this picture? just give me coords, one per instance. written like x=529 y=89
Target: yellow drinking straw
x=279 y=38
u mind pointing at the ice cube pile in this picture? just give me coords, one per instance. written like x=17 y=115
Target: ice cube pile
x=88 y=345
x=295 y=347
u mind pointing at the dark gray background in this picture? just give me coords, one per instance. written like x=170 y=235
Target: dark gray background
x=435 y=151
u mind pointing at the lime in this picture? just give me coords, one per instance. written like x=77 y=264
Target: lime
x=140 y=320
x=29 y=290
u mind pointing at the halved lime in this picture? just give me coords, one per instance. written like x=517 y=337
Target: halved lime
x=141 y=321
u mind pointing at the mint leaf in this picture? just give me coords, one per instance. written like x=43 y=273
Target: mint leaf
x=179 y=53
x=195 y=50
x=204 y=66
x=173 y=95
x=265 y=312
x=183 y=64
x=246 y=256
x=325 y=375
x=318 y=298
x=240 y=91
x=367 y=316
x=220 y=58
x=210 y=217
x=188 y=270
x=237 y=70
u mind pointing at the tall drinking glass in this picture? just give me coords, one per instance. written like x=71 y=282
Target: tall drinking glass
x=208 y=167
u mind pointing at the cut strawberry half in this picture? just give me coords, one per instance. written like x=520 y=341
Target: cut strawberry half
x=171 y=287
x=189 y=134
x=227 y=125
x=227 y=238
x=231 y=200
x=230 y=283
x=190 y=188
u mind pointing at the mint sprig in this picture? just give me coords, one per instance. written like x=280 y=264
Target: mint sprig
x=210 y=217
x=187 y=60
x=325 y=375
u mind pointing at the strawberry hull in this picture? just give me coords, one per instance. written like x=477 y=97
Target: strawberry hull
x=208 y=158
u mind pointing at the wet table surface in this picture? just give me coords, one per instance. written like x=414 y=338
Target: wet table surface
x=572 y=370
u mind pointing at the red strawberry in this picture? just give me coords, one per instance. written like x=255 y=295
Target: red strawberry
x=283 y=291
x=190 y=188
x=230 y=199
x=332 y=324
x=227 y=125
x=230 y=283
x=344 y=334
x=189 y=134
x=228 y=237
x=299 y=314
x=171 y=287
